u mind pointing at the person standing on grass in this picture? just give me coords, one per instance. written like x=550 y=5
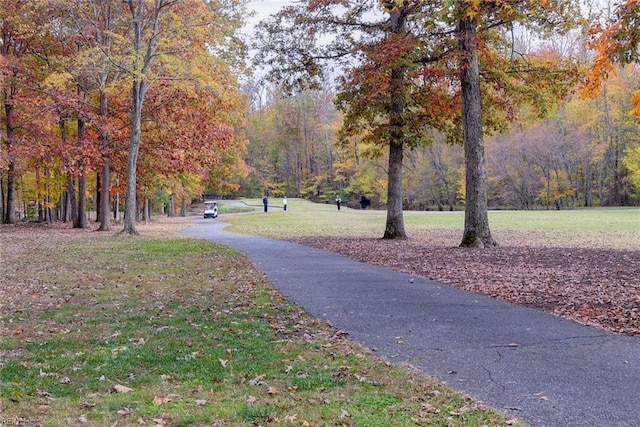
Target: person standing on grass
x=338 y=201
x=284 y=203
x=265 y=202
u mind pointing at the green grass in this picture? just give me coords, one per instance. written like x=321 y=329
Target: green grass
x=198 y=336
x=304 y=219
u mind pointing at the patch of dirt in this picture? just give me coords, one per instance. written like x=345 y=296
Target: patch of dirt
x=598 y=287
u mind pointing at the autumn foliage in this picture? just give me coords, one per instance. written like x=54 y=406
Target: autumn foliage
x=617 y=41
x=67 y=70
x=359 y=85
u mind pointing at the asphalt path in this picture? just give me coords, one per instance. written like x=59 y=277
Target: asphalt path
x=535 y=366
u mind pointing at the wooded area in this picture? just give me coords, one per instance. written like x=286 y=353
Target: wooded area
x=152 y=101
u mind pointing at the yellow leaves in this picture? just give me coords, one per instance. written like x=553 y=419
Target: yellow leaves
x=631 y=161
x=473 y=9
x=59 y=80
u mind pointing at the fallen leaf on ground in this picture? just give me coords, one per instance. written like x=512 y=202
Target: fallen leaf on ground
x=124 y=412
x=157 y=400
x=119 y=388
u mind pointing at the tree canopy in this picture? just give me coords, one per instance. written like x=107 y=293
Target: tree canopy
x=413 y=67
x=91 y=85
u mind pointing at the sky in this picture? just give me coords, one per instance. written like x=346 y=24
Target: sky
x=264 y=8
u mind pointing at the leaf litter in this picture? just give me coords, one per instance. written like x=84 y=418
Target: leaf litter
x=593 y=286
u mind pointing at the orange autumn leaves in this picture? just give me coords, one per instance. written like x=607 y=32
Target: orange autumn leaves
x=615 y=42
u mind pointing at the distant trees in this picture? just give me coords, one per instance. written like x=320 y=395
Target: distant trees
x=616 y=41
x=292 y=143
x=574 y=159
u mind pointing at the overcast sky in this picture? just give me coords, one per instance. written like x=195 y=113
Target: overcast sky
x=264 y=8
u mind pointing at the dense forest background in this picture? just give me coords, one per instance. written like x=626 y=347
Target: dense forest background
x=75 y=74
x=574 y=158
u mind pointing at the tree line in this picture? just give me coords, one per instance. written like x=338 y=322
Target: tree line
x=582 y=155
x=140 y=96
x=415 y=104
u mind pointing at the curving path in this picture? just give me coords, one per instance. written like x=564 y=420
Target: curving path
x=540 y=368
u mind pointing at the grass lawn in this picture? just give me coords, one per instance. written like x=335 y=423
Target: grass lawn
x=615 y=228
x=164 y=330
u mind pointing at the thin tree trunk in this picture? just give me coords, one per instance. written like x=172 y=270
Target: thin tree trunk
x=476 y=219
x=48 y=215
x=588 y=185
x=146 y=210
x=104 y=205
x=183 y=204
x=132 y=161
x=2 y=197
x=81 y=213
x=10 y=210
x=97 y=200
x=116 y=208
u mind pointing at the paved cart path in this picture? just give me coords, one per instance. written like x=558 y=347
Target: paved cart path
x=540 y=368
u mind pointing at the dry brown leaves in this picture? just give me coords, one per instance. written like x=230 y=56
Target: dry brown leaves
x=27 y=270
x=598 y=287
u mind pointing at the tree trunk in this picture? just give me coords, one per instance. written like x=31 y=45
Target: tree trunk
x=104 y=215
x=10 y=212
x=588 y=185
x=2 y=197
x=10 y=209
x=68 y=201
x=143 y=58
x=172 y=206
x=130 y=208
x=395 y=221
x=394 y=228
x=476 y=219
x=81 y=214
x=146 y=210
x=96 y=202
x=116 y=208
x=183 y=204
x=81 y=218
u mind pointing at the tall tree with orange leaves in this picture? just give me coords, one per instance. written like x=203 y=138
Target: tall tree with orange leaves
x=617 y=41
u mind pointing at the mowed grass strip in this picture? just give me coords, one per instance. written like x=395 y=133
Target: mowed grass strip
x=166 y=330
x=605 y=228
